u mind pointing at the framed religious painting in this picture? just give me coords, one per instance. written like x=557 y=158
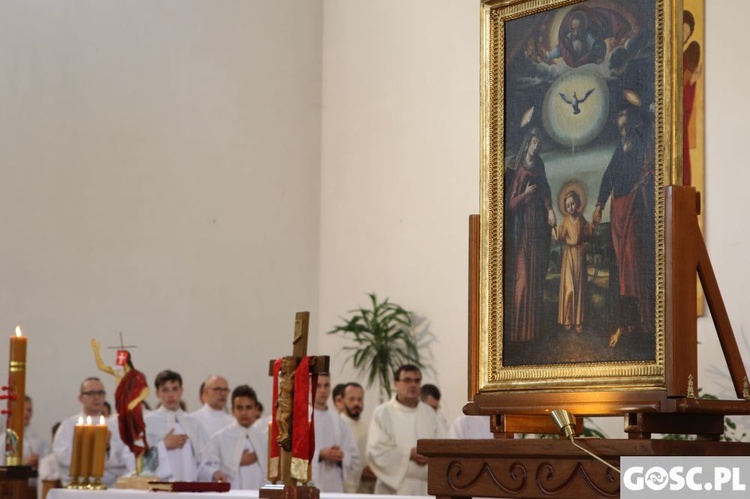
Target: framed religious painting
x=580 y=111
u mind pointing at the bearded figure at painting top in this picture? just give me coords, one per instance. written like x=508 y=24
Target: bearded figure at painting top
x=132 y=389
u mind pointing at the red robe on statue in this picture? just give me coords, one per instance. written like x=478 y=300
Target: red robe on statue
x=132 y=426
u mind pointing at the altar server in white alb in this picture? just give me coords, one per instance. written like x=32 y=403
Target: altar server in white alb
x=180 y=440
x=392 y=440
x=336 y=455
x=241 y=449
x=119 y=461
x=213 y=415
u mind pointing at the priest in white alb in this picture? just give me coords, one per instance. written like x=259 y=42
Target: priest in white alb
x=392 y=439
x=213 y=415
x=362 y=481
x=180 y=440
x=336 y=455
x=241 y=449
x=119 y=460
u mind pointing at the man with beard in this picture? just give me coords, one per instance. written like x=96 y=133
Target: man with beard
x=629 y=180
x=587 y=34
x=336 y=456
x=362 y=480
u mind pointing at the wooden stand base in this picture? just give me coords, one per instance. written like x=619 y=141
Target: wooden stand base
x=134 y=482
x=545 y=467
x=289 y=492
x=14 y=481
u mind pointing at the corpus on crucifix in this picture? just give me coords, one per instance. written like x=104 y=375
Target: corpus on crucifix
x=291 y=441
x=132 y=389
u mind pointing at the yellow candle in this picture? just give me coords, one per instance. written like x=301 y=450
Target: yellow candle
x=17 y=392
x=87 y=447
x=100 y=448
x=75 y=457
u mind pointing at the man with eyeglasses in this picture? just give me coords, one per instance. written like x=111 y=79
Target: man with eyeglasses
x=120 y=460
x=213 y=415
x=392 y=438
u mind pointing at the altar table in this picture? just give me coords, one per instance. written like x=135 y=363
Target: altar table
x=232 y=494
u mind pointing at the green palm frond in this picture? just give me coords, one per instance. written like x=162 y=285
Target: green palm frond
x=382 y=339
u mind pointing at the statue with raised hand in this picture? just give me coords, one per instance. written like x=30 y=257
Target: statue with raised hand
x=132 y=389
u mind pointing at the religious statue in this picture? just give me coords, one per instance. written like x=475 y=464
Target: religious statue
x=132 y=389
x=285 y=402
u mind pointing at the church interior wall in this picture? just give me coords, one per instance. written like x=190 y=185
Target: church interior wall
x=160 y=173
x=194 y=174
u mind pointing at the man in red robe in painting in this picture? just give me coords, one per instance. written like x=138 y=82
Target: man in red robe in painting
x=629 y=180
x=531 y=218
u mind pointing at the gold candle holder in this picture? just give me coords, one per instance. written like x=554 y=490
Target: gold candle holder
x=96 y=484
x=77 y=483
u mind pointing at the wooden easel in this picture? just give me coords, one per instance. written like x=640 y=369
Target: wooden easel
x=289 y=488
x=506 y=467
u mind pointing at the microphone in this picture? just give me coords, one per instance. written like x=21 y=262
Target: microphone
x=566 y=423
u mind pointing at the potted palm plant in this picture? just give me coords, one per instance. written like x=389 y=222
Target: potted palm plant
x=383 y=340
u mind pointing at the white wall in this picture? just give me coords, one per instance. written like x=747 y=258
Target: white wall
x=163 y=174
x=159 y=176
x=400 y=170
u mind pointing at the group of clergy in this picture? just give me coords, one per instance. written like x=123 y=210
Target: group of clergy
x=214 y=444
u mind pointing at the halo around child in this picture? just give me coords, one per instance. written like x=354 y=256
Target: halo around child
x=578 y=188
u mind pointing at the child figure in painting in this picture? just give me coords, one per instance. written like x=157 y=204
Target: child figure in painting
x=574 y=231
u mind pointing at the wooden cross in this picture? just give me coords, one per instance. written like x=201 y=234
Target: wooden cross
x=318 y=364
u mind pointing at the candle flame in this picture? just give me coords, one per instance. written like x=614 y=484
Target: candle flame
x=19 y=333
x=80 y=419
x=88 y=419
x=102 y=421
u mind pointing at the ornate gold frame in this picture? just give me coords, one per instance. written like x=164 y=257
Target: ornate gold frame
x=493 y=375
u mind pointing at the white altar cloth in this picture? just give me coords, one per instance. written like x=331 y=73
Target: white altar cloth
x=232 y=494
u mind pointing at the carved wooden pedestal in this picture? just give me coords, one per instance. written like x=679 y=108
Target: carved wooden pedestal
x=545 y=467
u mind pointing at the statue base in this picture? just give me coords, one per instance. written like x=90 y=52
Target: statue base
x=279 y=491
x=137 y=482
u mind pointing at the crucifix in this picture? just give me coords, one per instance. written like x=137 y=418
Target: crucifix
x=291 y=401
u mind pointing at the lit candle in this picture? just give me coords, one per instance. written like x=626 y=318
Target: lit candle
x=100 y=448
x=17 y=393
x=87 y=447
x=75 y=458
